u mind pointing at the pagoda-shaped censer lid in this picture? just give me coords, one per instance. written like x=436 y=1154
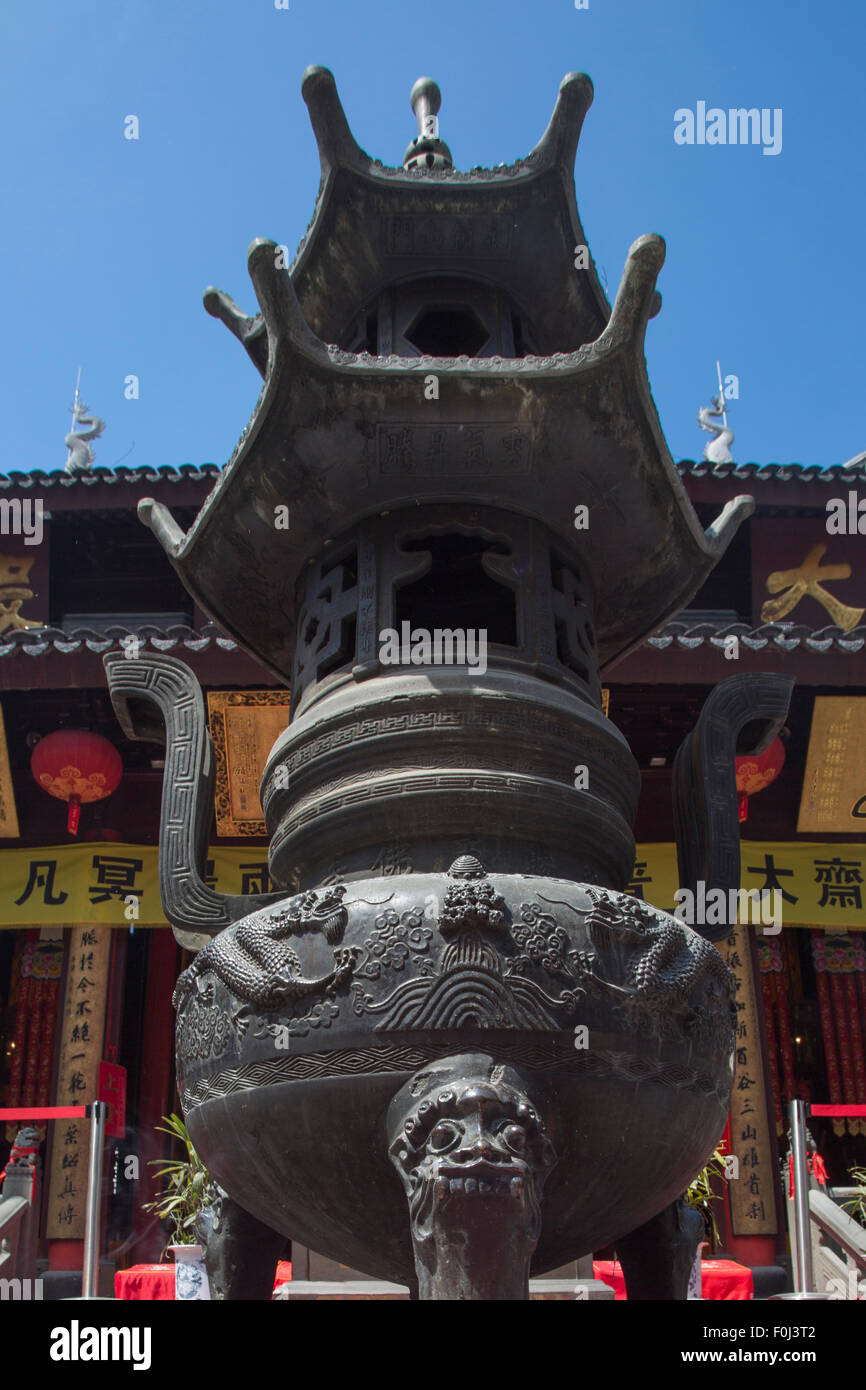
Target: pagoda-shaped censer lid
x=566 y=433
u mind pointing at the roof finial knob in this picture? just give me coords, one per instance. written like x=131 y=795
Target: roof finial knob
x=427 y=151
x=426 y=100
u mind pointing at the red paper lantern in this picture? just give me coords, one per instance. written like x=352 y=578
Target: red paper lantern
x=76 y=766
x=756 y=773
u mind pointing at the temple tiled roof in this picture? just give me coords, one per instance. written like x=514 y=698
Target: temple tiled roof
x=855 y=472
x=37 y=641
x=58 y=477
x=783 y=637
x=686 y=636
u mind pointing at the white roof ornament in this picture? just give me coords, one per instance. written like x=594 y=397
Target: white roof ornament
x=714 y=419
x=80 y=456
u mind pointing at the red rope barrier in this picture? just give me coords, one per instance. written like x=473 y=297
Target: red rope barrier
x=837 y=1110
x=58 y=1112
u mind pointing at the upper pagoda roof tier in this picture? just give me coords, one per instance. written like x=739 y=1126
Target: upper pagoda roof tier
x=338 y=436
x=515 y=226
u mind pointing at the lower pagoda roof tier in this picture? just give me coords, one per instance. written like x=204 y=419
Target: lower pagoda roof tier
x=337 y=437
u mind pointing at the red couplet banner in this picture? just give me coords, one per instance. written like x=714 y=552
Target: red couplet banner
x=111 y=1087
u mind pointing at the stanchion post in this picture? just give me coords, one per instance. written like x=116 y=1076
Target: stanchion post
x=90 y=1274
x=802 y=1218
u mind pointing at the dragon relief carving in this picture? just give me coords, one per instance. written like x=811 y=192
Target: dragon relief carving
x=257 y=965
x=493 y=971
x=672 y=980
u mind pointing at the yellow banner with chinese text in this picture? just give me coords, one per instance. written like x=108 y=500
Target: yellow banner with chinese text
x=113 y=884
x=822 y=884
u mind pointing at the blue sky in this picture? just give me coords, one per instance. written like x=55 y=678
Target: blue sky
x=109 y=243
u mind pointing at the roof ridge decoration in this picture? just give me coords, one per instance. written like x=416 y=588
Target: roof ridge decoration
x=39 y=641
x=578 y=411
x=786 y=637
x=122 y=473
x=677 y=634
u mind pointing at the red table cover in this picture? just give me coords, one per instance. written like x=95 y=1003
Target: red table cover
x=156 y=1282
x=720 y=1279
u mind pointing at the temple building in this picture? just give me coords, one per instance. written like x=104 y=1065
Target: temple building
x=99 y=582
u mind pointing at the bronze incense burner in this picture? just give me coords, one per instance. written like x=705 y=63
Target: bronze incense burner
x=449 y=1050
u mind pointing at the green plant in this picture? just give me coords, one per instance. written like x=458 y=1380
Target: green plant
x=699 y=1194
x=856 y=1205
x=188 y=1189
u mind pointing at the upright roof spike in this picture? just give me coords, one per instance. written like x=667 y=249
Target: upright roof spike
x=427 y=151
x=558 y=144
x=337 y=145
x=635 y=298
x=282 y=314
x=245 y=327
x=157 y=517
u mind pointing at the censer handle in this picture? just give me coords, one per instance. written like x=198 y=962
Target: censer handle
x=158 y=699
x=741 y=715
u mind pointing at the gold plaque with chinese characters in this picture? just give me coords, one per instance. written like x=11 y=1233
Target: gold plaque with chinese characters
x=803 y=574
x=244 y=726
x=15 y=589
x=8 y=814
x=834 y=785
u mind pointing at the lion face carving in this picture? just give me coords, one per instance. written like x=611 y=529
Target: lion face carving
x=472 y=1148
